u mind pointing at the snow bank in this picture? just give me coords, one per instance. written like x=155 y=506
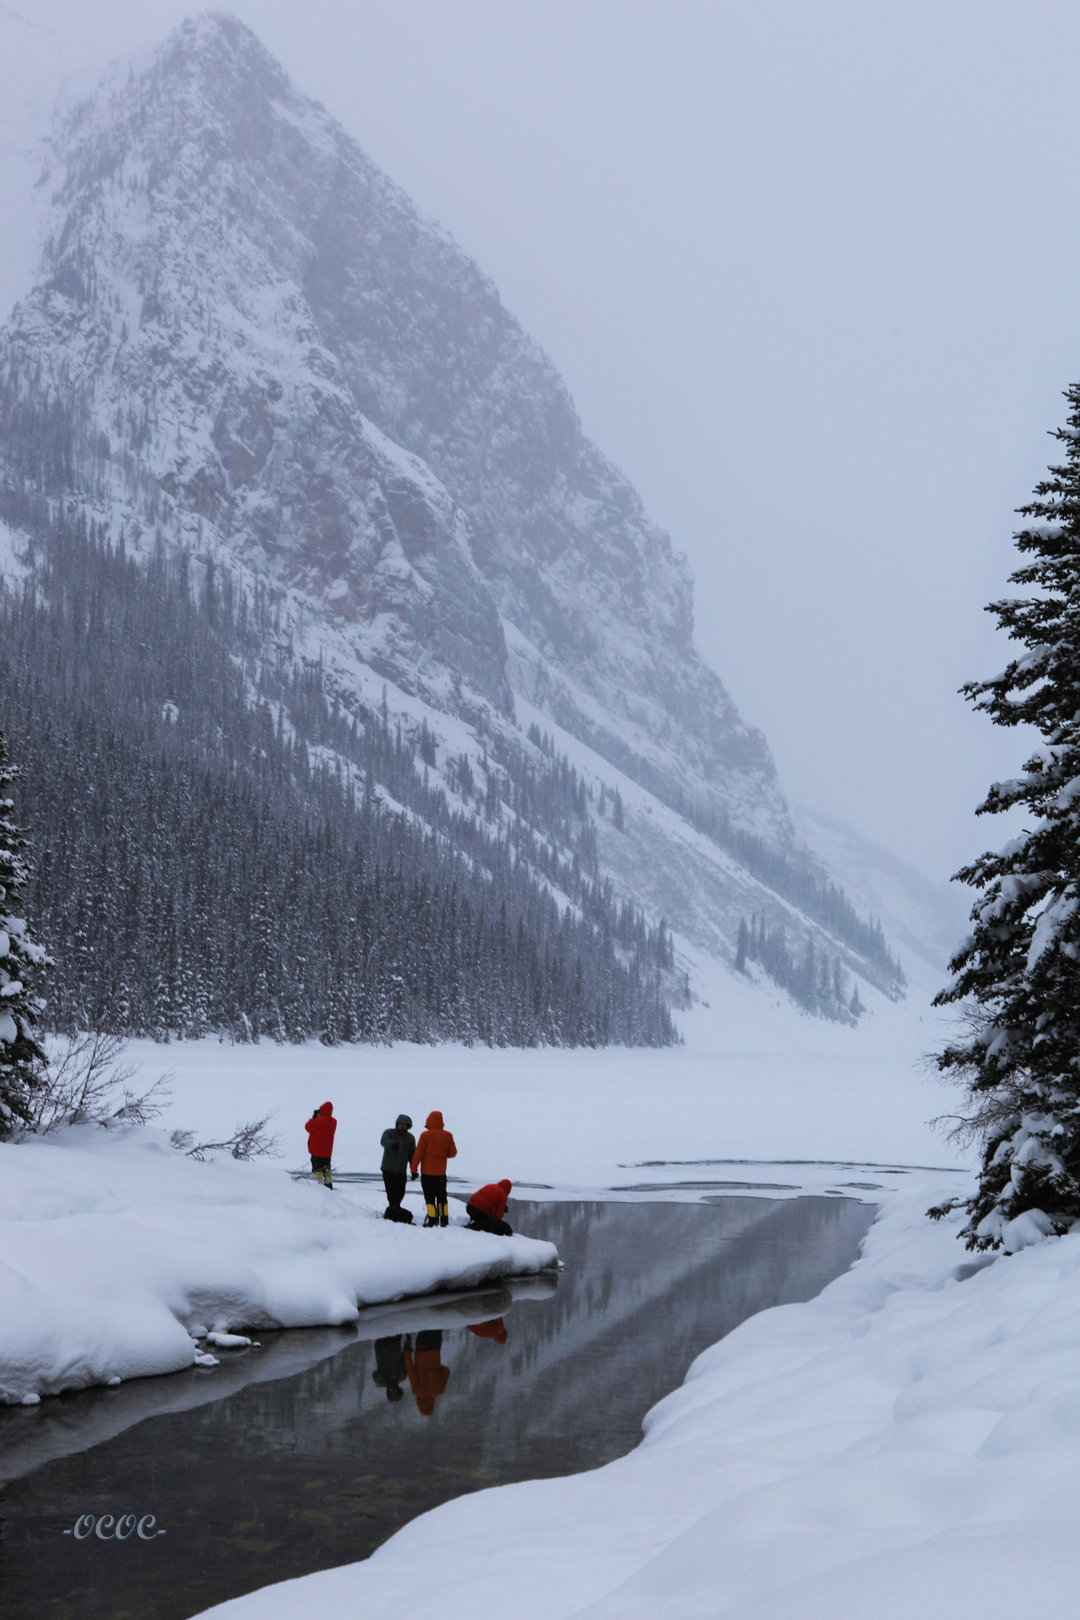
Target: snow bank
x=116 y=1252
x=906 y=1444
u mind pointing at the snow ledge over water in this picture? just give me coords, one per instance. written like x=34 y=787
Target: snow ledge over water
x=117 y=1253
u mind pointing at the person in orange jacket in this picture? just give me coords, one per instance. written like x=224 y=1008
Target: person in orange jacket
x=435 y=1146
x=487 y=1207
x=320 y=1136
x=427 y=1375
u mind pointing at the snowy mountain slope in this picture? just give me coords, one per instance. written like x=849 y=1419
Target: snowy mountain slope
x=31 y=54
x=244 y=343
x=925 y=920
x=680 y=873
x=192 y=397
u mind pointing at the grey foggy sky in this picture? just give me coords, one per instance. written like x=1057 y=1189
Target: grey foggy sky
x=809 y=271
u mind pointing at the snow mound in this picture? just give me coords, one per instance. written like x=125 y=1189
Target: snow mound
x=117 y=1253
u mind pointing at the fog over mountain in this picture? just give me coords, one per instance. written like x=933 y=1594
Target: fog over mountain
x=250 y=374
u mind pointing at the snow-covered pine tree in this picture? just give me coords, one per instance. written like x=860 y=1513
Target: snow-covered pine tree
x=742 y=947
x=1018 y=973
x=22 y=1061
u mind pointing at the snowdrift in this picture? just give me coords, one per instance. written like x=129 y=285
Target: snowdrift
x=117 y=1253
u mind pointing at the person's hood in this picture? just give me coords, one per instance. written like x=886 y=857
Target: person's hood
x=435 y=1121
x=327 y=1108
x=403 y=1119
x=507 y=1186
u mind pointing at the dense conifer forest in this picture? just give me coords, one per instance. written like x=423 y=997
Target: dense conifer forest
x=220 y=845
x=816 y=896
x=812 y=977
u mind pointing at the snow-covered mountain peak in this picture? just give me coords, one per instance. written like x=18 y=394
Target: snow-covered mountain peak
x=245 y=345
x=236 y=212
x=174 y=302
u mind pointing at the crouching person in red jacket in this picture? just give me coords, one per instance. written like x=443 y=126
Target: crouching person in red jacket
x=320 y=1136
x=487 y=1207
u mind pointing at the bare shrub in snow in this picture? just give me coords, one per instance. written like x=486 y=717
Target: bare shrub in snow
x=249 y=1141
x=86 y=1083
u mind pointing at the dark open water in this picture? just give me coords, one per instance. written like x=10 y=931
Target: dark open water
x=312 y=1450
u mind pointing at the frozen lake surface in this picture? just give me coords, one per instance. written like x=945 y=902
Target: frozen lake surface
x=312 y=1450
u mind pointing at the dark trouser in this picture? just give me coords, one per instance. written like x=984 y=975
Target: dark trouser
x=435 y=1198
x=395 y=1182
x=488 y=1223
x=390 y=1371
x=320 y=1169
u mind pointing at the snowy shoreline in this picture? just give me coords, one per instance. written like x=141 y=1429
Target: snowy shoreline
x=904 y=1444
x=114 y=1248
x=797 y=1452
x=118 y=1255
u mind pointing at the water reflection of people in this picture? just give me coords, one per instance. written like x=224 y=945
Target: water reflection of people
x=495 y=1329
x=427 y=1375
x=390 y=1371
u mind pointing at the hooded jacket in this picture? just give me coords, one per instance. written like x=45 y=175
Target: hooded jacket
x=492 y=1199
x=320 y=1132
x=398 y=1147
x=427 y=1378
x=435 y=1146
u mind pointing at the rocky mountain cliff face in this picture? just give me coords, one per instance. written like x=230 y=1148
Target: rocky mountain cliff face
x=244 y=342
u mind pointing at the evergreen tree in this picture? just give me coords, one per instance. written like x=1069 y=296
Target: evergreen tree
x=22 y=1061
x=811 y=982
x=1018 y=973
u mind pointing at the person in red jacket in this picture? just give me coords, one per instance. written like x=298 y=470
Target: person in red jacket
x=487 y=1207
x=435 y=1146
x=320 y=1140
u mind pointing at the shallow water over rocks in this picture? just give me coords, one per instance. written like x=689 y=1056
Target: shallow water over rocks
x=311 y=1450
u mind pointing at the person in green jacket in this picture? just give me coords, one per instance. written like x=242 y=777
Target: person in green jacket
x=398 y=1145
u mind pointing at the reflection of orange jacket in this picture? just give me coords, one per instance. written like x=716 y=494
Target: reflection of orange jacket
x=435 y=1146
x=495 y=1329
x=427 y=1378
